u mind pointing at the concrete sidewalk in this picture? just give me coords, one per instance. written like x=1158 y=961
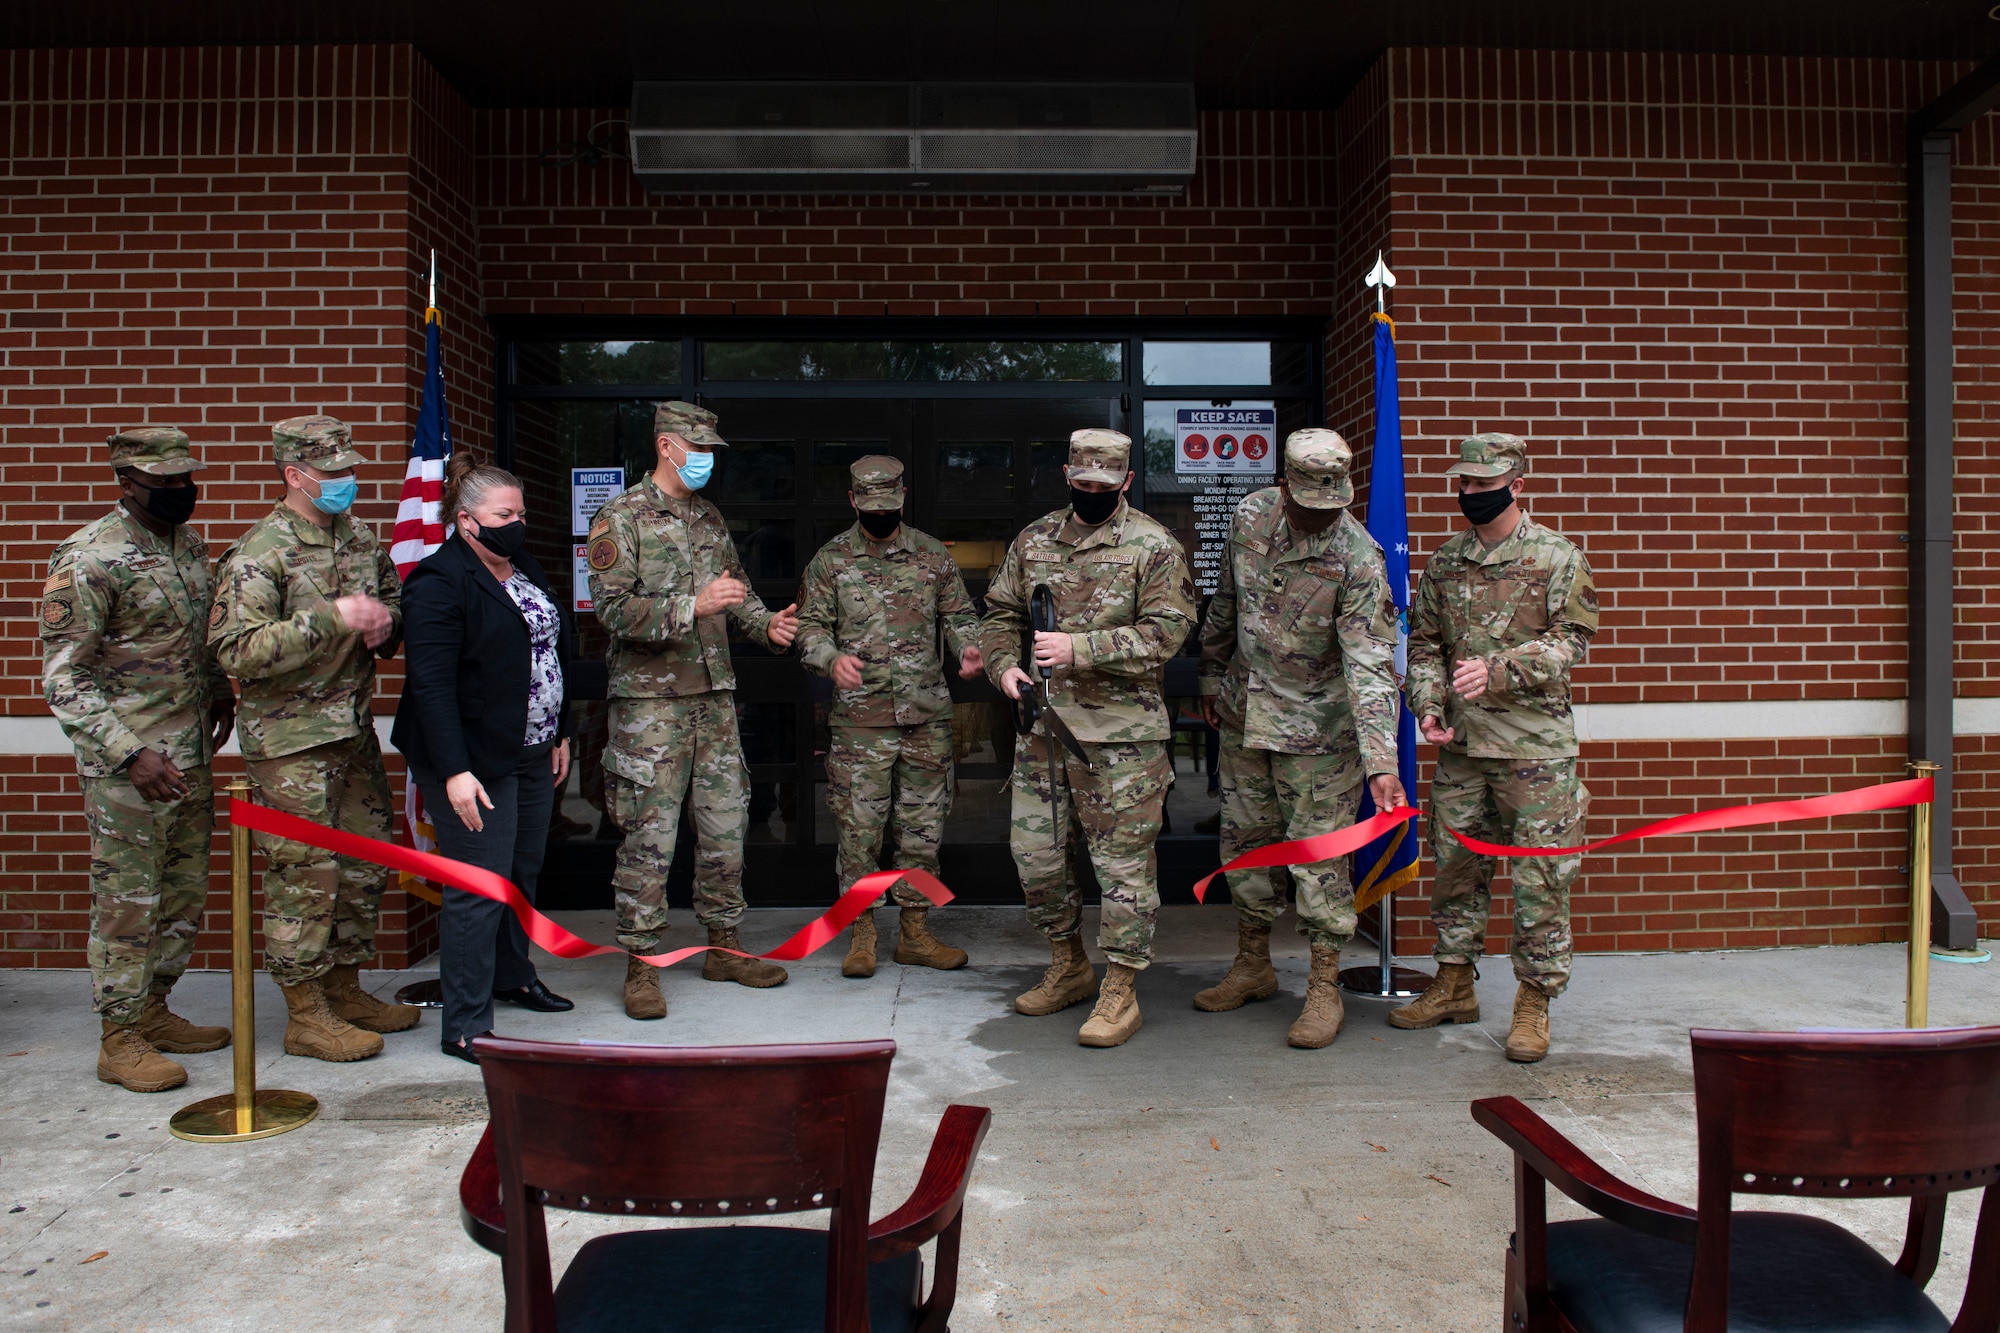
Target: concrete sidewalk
x=1205 y=1176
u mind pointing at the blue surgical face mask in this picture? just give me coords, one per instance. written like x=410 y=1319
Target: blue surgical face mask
x=694 y=473
x=336 y=495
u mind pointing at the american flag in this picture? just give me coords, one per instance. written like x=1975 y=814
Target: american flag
x=419 y=531
x=419 y=526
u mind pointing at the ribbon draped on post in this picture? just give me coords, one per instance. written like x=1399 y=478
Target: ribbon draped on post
x=814 y=935
x=1304 y=851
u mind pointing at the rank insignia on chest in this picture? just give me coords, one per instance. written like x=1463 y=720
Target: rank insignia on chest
x=603 y=553
x=57 y=612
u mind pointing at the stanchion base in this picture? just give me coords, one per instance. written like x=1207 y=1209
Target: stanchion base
x=1961 y=955
x=1404 y=983
x=423 y=994
x=213 y=1119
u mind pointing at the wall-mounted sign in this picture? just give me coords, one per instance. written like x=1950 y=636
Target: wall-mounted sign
x=590 y=489
x=1230 y=441
x=579 y=576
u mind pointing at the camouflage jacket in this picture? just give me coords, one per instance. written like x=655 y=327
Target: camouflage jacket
x=1528 y=607
x=650 y=554
x=125 y=660
x=1301 y=638
x=306 y=678
x=883 y=603
x=1123 y=590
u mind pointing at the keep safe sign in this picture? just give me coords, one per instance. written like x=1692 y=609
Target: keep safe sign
x=1231 y=441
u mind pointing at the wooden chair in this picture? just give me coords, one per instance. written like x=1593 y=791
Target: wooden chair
x=1812 y=1115
x=710 y=1132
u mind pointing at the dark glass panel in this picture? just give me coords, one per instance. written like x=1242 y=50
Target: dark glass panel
x=915 y=362
x=598 y=362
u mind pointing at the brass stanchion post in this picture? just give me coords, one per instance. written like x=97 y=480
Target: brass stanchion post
x=243 y=1113
x=1918 y=1003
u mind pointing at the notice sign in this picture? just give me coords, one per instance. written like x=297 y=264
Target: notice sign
x=1226 y=441
x=579 y=577
x=590 y=489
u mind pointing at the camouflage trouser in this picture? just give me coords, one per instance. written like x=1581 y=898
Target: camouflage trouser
x=883 y=778
x=660 y=752
x=1118 y=808
x=148 y=881
x=1526 y=802
x=319 y=909
x=1269 y=797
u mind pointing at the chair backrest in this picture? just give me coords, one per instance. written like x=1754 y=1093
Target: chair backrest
x=664 y=1131
x=1847 y=1114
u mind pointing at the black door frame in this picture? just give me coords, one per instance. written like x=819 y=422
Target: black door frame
x=789 y=875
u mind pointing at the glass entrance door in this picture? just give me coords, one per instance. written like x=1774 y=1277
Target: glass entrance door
x=983 y=429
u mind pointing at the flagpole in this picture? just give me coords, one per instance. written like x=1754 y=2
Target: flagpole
x=1385 y=980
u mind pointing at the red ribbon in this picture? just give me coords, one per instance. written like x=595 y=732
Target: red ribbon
x=1886 y=796
x=813 y=936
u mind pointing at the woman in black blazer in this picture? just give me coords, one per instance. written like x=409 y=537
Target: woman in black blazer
x=484 y=725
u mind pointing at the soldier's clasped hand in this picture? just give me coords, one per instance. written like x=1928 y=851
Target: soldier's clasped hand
x=719 y=594
x=1053 y=648
x=847 y=671
x=156 y=777
x=1436 y=732
x=1469 y=678
x=971 y=663
x=784 y=626
x=221 y=721
x=365 y=616
x=1013 y=680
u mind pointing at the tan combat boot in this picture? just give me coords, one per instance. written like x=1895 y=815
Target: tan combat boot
x=1324 y=1015
x=1250 y=977
x=316 y=1031
x=168 y=1031
x=129 y=1060
x=1448 y=999
x=917 y=947
x=350 y=1003
x=1528 y=1038
x=728 y=967
x=860 y=960
x=1116 y=1017
x=643 y=999
x=1069 y=979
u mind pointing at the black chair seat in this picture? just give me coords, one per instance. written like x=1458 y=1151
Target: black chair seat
x=1787 y=1274
x=730 y=1279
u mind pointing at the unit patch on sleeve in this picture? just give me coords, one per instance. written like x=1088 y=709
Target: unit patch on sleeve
x=216 y=614
x=57 y=612
x=603 y=553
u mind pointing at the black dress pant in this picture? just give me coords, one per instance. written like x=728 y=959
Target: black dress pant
x=481 y=944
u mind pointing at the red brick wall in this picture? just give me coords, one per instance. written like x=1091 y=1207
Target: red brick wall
x=213 y=238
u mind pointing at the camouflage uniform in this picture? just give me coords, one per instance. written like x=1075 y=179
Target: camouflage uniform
x=673 y=702
x=307 y=734
x=125 y=668
x=890 y=760
x=1509 y=774
x=1123 y=590
x=1297 y=651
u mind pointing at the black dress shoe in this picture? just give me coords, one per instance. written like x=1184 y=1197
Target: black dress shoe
x=462 y=1050
x=537 y=997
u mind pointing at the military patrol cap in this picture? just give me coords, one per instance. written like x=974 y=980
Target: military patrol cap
x=159 y=451
x=1317 y=462
x=315 y=441
x=694 y=424
x=1099 y=455
x=1490 y=454
x=877 y=483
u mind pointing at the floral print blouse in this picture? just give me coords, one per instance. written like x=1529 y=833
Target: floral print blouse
x=545 y=682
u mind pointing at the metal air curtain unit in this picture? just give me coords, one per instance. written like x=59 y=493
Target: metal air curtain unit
x=914 y=138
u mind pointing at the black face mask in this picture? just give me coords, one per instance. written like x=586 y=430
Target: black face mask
x=172 y=505
x=1482 y=507
x=1093 y=507
x=880 y=523
x=506 y=540
x=1309 y=521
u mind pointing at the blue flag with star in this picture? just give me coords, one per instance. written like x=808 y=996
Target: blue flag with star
x=1390 y=862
